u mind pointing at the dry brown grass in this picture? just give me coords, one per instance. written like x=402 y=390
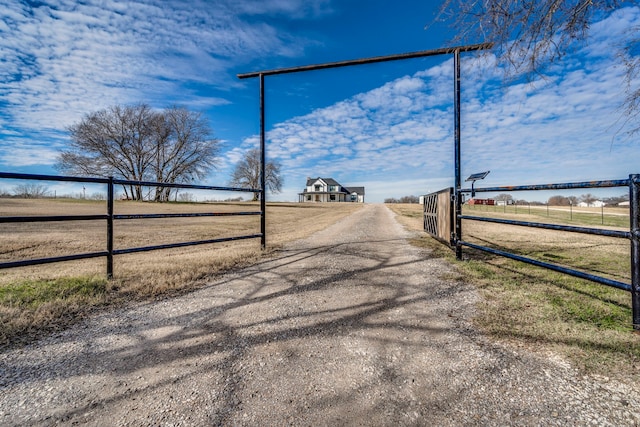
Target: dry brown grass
x=141 y=275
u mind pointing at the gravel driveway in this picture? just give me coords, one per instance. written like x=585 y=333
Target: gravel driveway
x=352 y=326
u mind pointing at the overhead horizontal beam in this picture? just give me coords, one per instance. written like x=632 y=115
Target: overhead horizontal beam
x=410 y=55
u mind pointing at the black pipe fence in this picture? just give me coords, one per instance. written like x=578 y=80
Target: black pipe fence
x=110 y=217
x=633 y=183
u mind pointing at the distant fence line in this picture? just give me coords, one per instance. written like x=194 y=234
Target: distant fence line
x=557 y=211
x=110 y=217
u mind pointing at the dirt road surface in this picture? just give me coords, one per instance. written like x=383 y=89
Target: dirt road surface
x=352 y=326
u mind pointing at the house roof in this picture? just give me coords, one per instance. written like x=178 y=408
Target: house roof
x=328 y=181
x=357 y=190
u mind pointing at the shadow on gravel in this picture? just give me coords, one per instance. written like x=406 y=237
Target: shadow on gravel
x=267 y=313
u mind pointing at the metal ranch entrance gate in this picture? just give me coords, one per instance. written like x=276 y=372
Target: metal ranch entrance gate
x=442 y=210
x=455 y=51
x=440 y=223
x=109 y=217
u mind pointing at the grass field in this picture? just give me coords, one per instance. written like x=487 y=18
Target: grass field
x=45 y=297
x=608 y=216
x=587 y=323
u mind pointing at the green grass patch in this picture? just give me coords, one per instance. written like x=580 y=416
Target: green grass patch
x=588 y=323
x=33 y=294
x=35 y=307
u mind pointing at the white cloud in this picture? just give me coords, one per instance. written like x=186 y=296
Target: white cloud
x=63 y=59
x=294 y=8
x=19 y=152
x=28 y=156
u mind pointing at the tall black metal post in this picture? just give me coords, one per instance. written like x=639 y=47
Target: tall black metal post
x=634 y=213
x=110 y=197
x=263 y=195
x=458 y=179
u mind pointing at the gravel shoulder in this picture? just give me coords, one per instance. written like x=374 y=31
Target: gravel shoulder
x=352 y=326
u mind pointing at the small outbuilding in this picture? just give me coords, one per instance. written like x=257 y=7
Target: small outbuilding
x=475 y=201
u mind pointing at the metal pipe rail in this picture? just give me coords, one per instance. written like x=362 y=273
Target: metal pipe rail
x=38 y=261
x=53 y=218
x=562 y=186
x=370 y=60
x=110 y=217
x=115 y=181
x=633 y=183
x=554 y=267
x=174 y=185
x=182 y=215
x=184 y=244
x=571 y=229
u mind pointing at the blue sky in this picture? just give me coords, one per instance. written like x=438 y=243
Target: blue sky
x=387 y=127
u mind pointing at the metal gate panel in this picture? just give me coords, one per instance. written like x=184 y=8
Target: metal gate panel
x=438 y=211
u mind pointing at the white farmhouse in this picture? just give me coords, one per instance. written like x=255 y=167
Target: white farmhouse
x=329 y=190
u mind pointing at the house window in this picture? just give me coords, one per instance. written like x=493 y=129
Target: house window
x=318 y=187
x=354 y=197
x=309 y=198
x=332 y=197
x=333 y=188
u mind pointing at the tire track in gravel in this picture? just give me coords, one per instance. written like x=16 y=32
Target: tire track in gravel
x=352 y=326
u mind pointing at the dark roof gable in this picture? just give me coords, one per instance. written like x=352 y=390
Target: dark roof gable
x=329 y=181
x=357 y=190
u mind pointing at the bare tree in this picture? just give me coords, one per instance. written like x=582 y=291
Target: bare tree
x=558 y=201
x=139 y=144
x=409 y=199
x=504 y=197
x=31 y=191
x=247 y=173
x=114 y=142
x=184 y=150
x=403 y=199
x=186 y=197
x=531 y=34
